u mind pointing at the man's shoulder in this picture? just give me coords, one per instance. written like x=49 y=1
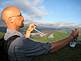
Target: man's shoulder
x=10 y=33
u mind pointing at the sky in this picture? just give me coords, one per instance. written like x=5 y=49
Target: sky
x=47 y=11
x=64 y=10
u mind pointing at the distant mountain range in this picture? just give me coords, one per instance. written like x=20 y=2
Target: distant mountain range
x=51 y=26
x=58 y=24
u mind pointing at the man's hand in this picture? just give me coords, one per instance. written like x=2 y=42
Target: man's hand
x=75 y=33
x=31 y=27
x=29 y=30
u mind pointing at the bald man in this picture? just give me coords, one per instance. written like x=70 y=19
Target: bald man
x=23 y=48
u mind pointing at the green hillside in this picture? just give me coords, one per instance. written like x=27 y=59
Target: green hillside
x=58 y=35
x=1 y=34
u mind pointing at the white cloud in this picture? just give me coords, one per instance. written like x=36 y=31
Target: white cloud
x=33 y=8
x=37 y=2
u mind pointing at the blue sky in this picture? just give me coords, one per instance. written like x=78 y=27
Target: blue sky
x=64 y=10
x=68 y=11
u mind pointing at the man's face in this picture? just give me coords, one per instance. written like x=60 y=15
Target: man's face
x=18 y=20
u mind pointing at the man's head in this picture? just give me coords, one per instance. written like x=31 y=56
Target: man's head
x=12 y=17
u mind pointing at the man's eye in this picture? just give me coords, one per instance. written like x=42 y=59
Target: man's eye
x=20 y=14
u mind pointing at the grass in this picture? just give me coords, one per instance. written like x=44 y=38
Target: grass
x=79 y=37
x=1 y=34
x=40 y=39
x=58 y=35
x=65 y=54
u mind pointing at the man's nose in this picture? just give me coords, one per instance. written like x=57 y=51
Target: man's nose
x=22 y=18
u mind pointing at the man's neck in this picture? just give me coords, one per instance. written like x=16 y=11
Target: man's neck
x=13 y=28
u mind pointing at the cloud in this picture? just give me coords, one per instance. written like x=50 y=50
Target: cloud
x=37 y=2
x=29 y=8
x=34 y=7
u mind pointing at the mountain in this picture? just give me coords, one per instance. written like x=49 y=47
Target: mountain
x=58 y=24
x=1 y=23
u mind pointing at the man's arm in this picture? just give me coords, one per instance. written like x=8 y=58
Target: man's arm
x=55 y=46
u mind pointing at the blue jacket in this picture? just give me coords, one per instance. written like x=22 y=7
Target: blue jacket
x=23 y=49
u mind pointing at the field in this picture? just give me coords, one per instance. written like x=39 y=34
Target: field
x=55 y=36
x=1 y=34
x=65 y=54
